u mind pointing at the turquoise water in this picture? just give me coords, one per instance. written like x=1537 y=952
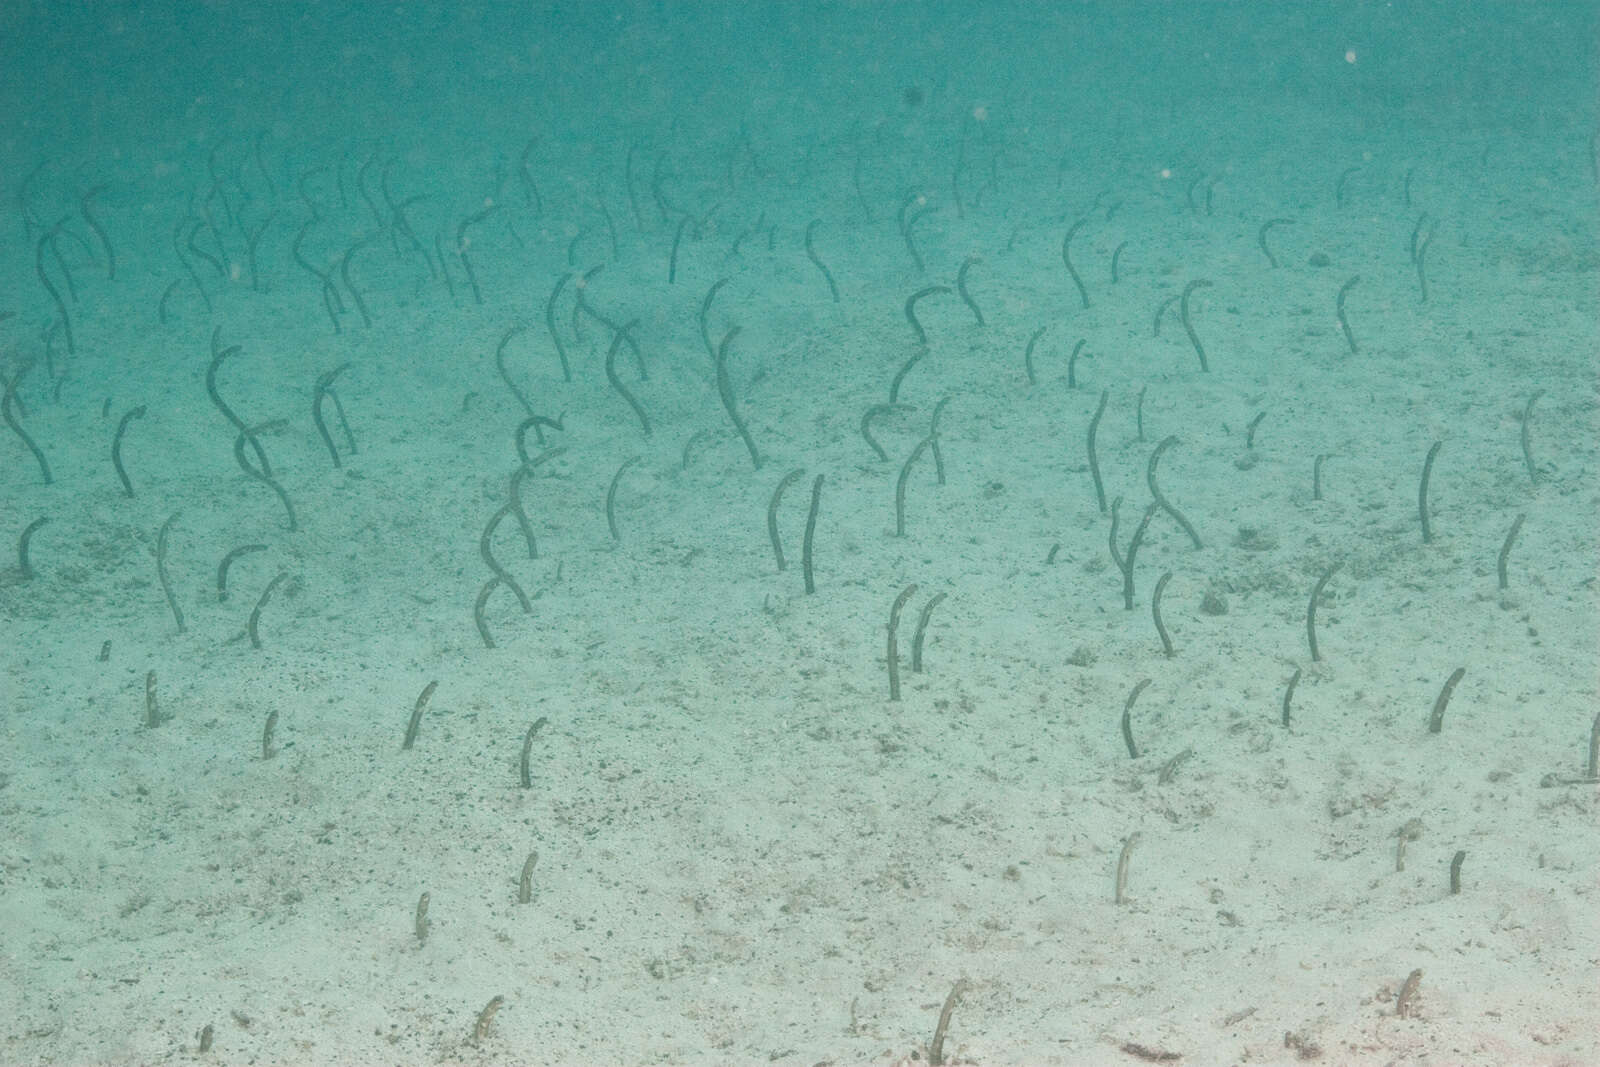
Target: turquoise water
x=384 y=380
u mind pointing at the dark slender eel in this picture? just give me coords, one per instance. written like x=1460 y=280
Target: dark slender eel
x=550 y=324
x=227 y=562
x=253 y=242
x=1155 y=493
x=166 y=295
x=415 y=722
x=911 y=244
x=1420 y=250
x=1505 y=548
x=704 y=318
x=530 y=191
x=866 y=425
x=581 y=305
x=1127 y=719
x=922 y=631
x=536 y=423
x=477 y=610
x=1338 y=187
x=1436 y=719
x=1261 y=239
x=694 y=439
x=361 y=186
x=1188 y=328
x=900 y=216
x=11 y=420
x=1344 y=323
x=757 y=229
x=772 y=513
x=1250 y=430
x=344 y=423
x=1072 y=363
x=524 y=774
x=344 y=273
x=265 y=479
x=1066 y=257
x=30 y=221
x=1161 y=310
x=1288 y=693
x=218 y=354
x=1133 y=553
x=893 y=649
x=1422 y=491
x=324 y=381
x=911 y=309
x=522 y=472
x=811 y=530
x=152 y=712
x=299 y=257
x=811 y=254
x=1527 y=446
x=1155 y=612
x=961 y=287
x=1311 y=610
x=461 y=248
x=505 y=375
x=616 y=383
x=200 y=225
x=444 y=271
x=116 y=447
x=1027 y=353
x=942 y=1027
x=255 y=615
x=514 y=494
x=332 y=302
x=611 y=496
x=161 y=570
x=486 y=550
x=194 y=275
x=49 y=287
x=24 y=542
x=933 y=438
x=900 y=486
x=638 y=353
x=1116 y=553
x=900 y=375
x=725 y=391
x=672 y=259
x=1094 y=460
x=1416 y=234
x=99 y=231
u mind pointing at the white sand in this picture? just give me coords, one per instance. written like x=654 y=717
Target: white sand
x=747 y=853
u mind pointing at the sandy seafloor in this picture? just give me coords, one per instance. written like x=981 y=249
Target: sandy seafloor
x=747 y=853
